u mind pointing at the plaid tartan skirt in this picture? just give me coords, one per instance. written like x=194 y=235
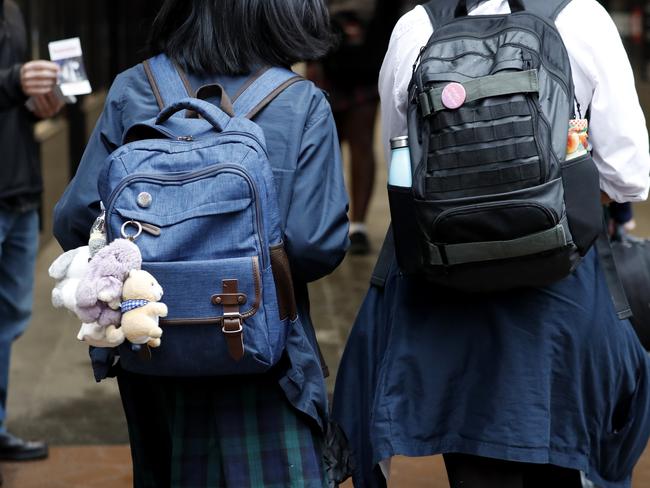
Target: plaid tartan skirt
x=231 y=432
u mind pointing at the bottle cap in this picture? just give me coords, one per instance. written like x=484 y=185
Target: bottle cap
x=398 y=142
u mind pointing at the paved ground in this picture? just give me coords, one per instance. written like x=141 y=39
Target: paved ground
x=54 y=396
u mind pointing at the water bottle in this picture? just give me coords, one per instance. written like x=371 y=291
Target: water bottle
x=399 y=173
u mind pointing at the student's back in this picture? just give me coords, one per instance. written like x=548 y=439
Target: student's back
x=536 y=376
x=214 y=419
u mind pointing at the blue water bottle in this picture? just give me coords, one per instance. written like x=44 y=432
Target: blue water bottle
x=399 y=173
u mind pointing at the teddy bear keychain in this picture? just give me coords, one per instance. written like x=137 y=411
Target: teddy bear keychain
x=140 y=305
x=141 y=309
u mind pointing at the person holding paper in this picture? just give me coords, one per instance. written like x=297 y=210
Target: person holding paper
x=20 y=193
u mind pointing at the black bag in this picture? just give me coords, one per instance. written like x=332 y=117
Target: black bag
x=632 y=257
x=494 y=205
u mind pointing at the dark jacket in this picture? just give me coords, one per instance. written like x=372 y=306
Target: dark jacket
x=305 y=157
x=20 y=171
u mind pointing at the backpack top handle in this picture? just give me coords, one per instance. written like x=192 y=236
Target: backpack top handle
x=461 y=9
x=211 y=113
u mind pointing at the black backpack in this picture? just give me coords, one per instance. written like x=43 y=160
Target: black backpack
x=494 y=205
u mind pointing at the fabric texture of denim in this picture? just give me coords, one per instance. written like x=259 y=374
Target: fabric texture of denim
x=18 y=250
x=210 y=190
x=305 y=158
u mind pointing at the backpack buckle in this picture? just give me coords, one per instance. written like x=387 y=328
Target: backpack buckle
x=424 y=102
x=233 y=323
x=232 y=317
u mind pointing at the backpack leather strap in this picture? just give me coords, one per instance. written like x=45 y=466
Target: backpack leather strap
x=261 y=89
x=168 y=81
x=233 y=325
x=271 y=96
x=250 y=81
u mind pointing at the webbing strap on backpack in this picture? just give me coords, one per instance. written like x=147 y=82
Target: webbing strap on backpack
x=168 y=81
x=261 y=89
x=442 y=11
x=605 y=253
x=170 y=84
x=608 y=265
x=549 y=9
x=380 y=272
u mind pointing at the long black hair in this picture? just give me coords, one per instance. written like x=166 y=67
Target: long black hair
x=231 y=36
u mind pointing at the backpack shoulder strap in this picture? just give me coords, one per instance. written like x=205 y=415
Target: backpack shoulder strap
x=168 y=81
x=440 y=11
x=384 y=260
x=261 y=89
x=549 y=9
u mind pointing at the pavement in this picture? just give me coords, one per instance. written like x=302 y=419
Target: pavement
x=53 y=395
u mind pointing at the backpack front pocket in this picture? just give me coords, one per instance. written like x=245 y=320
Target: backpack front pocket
x=194 y=293
x=185 y=210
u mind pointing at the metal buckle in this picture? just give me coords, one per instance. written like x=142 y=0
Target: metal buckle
x=236 y=316
x=233 y=332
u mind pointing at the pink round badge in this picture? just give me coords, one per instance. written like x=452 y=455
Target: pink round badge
x=454 y=96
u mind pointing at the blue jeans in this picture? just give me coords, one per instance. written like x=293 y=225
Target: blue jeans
x=18 y=250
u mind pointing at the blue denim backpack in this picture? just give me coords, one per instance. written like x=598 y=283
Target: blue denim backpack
x=194 y=189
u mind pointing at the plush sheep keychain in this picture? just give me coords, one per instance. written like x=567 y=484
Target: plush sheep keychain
x=100 y=290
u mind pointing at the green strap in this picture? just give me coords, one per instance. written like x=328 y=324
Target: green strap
x=494 y=250
x=488 y=86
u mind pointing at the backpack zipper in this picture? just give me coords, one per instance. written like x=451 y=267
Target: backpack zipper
x=186 y=177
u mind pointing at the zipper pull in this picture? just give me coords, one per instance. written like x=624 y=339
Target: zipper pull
x=139 y=228
x=185 y=138
x=151 y=229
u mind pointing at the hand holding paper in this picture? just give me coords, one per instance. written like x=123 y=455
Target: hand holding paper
x=38 y=77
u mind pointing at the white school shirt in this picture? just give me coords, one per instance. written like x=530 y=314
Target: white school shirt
x=602 y=76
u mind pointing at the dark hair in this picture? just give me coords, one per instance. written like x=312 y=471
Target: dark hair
x=231 y=36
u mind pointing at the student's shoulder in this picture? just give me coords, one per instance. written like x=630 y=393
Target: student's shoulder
x=585 y=16
x=129 y=86
x=413 y=21
x=305 y=98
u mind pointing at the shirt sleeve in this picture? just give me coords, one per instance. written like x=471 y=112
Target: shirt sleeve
x=317 y=225
x=78 y=208
x=618 y=130
x=410 y=34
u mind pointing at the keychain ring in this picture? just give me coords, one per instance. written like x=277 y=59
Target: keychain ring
x=135 y=224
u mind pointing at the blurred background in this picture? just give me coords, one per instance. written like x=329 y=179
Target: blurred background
x=53 y=395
